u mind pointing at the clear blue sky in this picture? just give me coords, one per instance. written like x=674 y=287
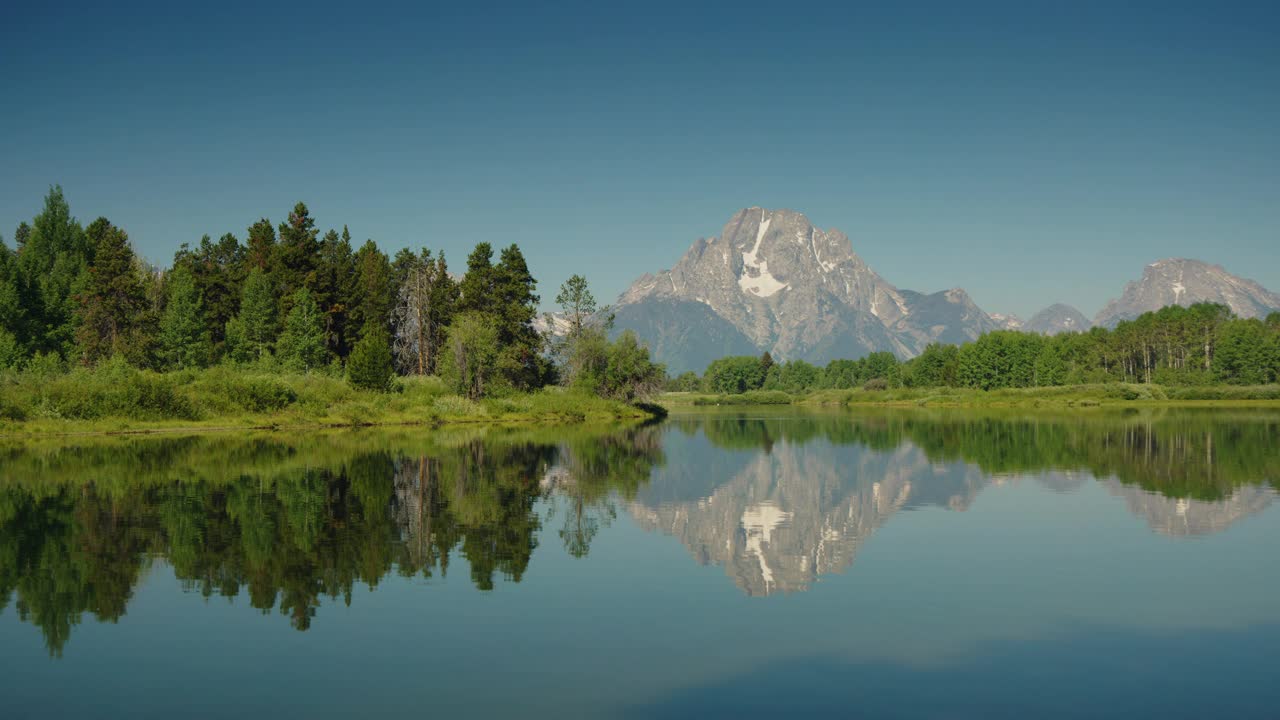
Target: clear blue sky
x=1028 y=151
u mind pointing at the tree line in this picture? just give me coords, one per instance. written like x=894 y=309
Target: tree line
x=293 y=299
x=1197 y=345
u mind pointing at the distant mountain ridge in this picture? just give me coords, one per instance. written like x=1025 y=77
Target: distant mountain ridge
x=772 y=281
x=1057 y=318
x=1180 y=281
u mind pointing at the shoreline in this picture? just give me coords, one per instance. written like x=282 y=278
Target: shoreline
x=51 y=428
x=1066 y=397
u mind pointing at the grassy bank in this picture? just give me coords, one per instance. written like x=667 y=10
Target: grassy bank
x=118 y=398
x=752 y=397
x=1067 y=396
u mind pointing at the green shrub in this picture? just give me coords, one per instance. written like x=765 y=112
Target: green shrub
x=369 y=367
x=875 y=384
x=752 y=397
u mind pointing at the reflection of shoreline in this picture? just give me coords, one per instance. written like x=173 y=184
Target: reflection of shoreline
x=800 y=510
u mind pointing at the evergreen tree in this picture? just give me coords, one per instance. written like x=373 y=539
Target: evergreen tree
x=218 y=271
x=21 y=236
x=404 y=262
x=370 y=367
x=11 y=311
x=577 y=303
x=54 y=258
x=260 y=248
x=252 y=333
x=444 y=302
x=335 y=289
x=476 y=290
x=302 y=345
x=184 y=336
x=373 y=294
x=111 y=302
x=515 y=307
x=297 y=256
x=766 y=363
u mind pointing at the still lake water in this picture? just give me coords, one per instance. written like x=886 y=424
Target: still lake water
x=744 y=564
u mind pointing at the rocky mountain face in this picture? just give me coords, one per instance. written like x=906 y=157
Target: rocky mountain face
x=1178 y=281
x=1007 y=321
x=1057 y=318
x=772 y=281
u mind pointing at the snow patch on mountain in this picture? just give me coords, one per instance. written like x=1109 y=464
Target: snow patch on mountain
x=762 y=283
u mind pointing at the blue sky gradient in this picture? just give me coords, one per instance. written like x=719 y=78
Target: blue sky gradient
x=1030 y=152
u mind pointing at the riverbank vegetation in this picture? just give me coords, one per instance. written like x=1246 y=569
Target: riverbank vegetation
x=291 y=327
x=1201 y=352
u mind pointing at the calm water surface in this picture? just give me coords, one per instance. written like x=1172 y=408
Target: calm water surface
x=744 y=564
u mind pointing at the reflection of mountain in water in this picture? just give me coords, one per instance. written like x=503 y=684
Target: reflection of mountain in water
x=778 y=504
x=1186 y=516
x=799 y=511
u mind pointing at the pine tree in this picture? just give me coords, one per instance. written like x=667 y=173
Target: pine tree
x=297 y=255
x=370 y=367
x=577 y=303
x=516 y=306
x=251 y=334
x=302 y=345
x=477 y=286
x=334 y=289
x=766 y=363
x=218 y=271
x=184 y=336
x=11 y=312
x=111 y=301
x=260 y=248
x=374 y=296
x=54 y=258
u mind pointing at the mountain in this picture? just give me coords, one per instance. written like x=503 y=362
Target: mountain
x=772 y=281
x=1057 y=318
x=1178 y=281
x=1007 y=321
x=684 y=335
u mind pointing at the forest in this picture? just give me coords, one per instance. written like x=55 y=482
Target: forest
x=287 y=301
x=1195 y=346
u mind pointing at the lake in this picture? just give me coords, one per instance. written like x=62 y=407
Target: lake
x=746 y=563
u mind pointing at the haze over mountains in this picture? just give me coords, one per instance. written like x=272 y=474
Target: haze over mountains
x=772 y=281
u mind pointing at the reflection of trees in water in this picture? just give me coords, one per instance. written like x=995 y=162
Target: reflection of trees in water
x=778 y=519
x=288 y=531
x=1201 y=455
x=291 y=521
x=588 y=475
